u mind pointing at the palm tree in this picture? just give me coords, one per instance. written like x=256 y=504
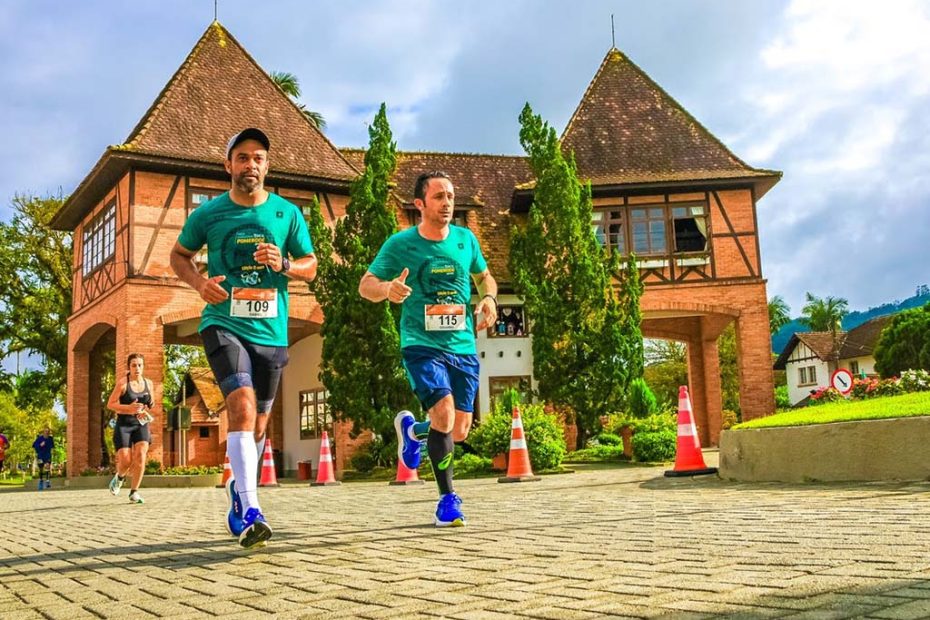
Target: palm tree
x=824 y=315
x=291 y=86
x=778 y=314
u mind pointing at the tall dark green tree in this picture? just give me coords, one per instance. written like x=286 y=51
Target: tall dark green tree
x=35 y=287
x=361 y=365
x=904 y=343
x=587 y=346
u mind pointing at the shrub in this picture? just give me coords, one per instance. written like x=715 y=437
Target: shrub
x=642 y=400
x=152 y=467
x=825 y=395
x=608 y=439
x=915 y=380
x=657 y=423
x=863 y=388
x=654 y=447
x=728 y=419
x=472 y=464
x=597 y=454
x=889 y=387
x=375 y=453
x=782 y=400
x=192 y=470
x=543 y=432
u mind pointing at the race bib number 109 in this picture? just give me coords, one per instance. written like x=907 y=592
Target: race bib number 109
x=445 y=317
x=254 y=303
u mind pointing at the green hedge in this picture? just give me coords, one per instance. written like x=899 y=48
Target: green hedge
x=655 y=447
x=545 y=438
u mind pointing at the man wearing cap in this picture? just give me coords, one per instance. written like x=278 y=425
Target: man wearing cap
x=256 y=241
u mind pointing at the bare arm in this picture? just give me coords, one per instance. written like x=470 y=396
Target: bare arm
x=183 y=265
x=375 y=289
x=487 y=302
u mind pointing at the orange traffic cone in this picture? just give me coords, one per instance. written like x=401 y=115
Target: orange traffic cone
x=518 y=465
x=688 y=458
x=405 y=475
x=268 y=477
x=227 y=473
x=325 y=475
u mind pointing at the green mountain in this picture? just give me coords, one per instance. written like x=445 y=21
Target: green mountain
x=855 y=318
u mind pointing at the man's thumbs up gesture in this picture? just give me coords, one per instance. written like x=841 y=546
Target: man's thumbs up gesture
x=398 y=290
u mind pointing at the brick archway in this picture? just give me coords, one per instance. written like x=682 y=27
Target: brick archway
x=677 y=315
x=85 y=419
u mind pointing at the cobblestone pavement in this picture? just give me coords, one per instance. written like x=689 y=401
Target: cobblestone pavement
x=600 y=543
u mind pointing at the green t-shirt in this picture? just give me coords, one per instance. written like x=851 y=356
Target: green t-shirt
x=231 y=233
x=437 y=313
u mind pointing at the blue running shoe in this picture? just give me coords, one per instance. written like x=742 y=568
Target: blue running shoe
x=234 y=524
x=408 y=450
x=256 y=531
x=448 y=513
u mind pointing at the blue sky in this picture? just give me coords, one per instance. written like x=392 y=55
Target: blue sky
x=834 y=93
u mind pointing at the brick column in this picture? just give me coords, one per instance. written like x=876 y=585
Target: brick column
x=77 y=410
x=140 y=332
x=754 y=348
x=698 y=378
x=713 y=402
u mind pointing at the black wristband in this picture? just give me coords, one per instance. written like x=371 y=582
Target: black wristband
x=494 y=299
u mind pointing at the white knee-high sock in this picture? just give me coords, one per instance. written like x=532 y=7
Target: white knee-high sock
x=240 y=447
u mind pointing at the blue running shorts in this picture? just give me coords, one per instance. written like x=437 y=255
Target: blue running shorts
x=434 y=374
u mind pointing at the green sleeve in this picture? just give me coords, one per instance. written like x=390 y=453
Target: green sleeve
x=298 y=238
x=384 y=267
x=193 y=235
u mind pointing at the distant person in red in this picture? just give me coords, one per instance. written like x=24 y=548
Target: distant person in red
x=43 y=445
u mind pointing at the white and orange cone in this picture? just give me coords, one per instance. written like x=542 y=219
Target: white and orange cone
x=405 y=475
x=227 y=473
x=268 y=477
x=325 y=475
x=689 y=461
x=518 y=464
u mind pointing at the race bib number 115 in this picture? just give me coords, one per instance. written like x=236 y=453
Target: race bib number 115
x=445 y=317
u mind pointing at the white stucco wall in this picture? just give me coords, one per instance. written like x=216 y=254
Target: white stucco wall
x=802 y=357
x=301 y=373
x=502 y=357
x=866 y=364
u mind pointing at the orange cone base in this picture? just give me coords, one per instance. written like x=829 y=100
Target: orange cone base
x=325 y=484
x=519 y=479
x=690 y=472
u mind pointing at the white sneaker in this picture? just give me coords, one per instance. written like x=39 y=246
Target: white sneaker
x=135 y=498
x=115 y=485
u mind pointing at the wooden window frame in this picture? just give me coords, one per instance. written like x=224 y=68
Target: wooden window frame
x=313 y=414
x=189 y=205
x=507 y=379
x=494 y=330
x=99 y=235
x=673 y=218
x=611 y=215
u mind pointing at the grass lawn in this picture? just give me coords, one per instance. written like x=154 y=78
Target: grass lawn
x=914 y=404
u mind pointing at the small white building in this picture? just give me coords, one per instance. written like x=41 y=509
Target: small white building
x=810 y=358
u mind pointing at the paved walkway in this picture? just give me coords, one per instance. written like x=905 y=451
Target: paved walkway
x=606 y=543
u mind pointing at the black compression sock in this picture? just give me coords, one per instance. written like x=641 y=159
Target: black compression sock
x=440 y=447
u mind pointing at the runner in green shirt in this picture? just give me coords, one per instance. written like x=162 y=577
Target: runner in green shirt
x=428 y=269
x=249 y=234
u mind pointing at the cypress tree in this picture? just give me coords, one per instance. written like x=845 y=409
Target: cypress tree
x=360 y=364
x=587 y=345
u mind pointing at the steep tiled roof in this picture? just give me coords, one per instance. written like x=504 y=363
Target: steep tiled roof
x=219 y=90
x=483 y=183
x=205 y=384
x=628 y=130
x=861 y=340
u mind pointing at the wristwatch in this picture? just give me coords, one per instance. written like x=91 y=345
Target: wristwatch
x=285 y=264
